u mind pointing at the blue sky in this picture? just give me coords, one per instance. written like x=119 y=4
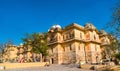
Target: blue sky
x=18 y=17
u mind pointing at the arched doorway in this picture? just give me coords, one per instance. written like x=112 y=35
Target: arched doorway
x=52 y=60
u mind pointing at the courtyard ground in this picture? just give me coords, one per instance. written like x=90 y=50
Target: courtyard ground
x=53 y=67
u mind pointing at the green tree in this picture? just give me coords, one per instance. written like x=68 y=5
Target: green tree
x=112 y=49
x=117 y=55
x=114 y=31
x=114 y=44
x=114 y=25
x=38 y=42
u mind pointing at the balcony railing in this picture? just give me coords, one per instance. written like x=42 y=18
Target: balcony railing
x=53 y=40
x=69 y=37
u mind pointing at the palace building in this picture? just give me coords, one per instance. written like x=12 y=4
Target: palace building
x=75 y=43
x=71 y=44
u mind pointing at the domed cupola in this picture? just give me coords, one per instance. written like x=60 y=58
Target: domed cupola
x=58 y=26
x=55 y=28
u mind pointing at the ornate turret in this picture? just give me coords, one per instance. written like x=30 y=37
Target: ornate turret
x=90 y=26
x=103 y=33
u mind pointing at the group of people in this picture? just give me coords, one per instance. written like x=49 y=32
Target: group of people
x=24 y=60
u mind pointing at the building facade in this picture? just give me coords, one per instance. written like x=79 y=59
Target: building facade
x=14 y=54
x=10 y=53
x=71 y=44
x=75 y=43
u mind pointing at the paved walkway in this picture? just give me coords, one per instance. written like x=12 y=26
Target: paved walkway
x=51 y=68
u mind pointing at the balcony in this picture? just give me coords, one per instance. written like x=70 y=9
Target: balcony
x=68 y=37
x=93 y=40
x=53 y=41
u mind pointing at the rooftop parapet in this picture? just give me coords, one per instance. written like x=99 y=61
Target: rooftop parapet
x=74 y=25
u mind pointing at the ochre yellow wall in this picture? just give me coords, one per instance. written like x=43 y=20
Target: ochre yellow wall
x=22 y=65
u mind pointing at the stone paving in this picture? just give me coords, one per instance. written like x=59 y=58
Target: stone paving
x=51 y=68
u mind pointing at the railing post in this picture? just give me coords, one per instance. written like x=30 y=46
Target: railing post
x=2 y=68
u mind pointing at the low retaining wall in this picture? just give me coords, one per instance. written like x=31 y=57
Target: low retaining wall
x=101 y=67
x=92 y=67
x=22 y=65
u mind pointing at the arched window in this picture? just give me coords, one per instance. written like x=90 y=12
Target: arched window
x=95 y=47
x=94 y=37
x=67 y=36
x=64 y=49
x=80 y=35
x=52 y=50
x=70 y=46
x=79 y=47
x=72 y=34
x=87 y=36
x=64 y=37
